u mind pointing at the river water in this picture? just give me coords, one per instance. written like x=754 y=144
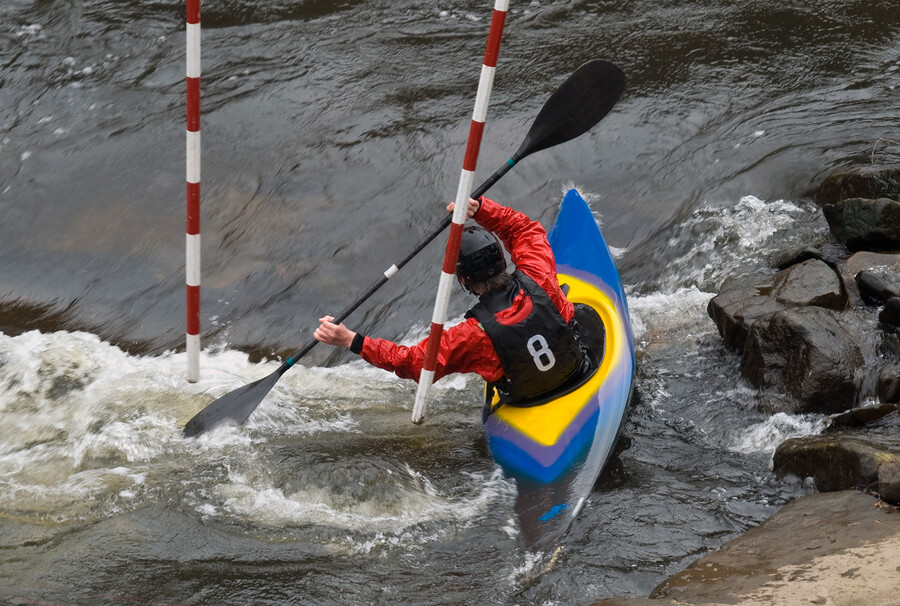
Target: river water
x=333 y=135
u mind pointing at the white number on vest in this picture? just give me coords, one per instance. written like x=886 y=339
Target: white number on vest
x=540 y=352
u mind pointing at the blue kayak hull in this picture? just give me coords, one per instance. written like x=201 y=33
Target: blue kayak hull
x=556 y=451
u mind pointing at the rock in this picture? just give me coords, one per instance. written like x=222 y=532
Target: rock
x=890 y=315
x=889 y=482
x=885 y=267
x=874 y=289
x=867 y=260
x=883 y=433
x=809 y=283
x=858 y=417
x=735 y=310
x=840 y=546
x=834 y=462
x=888 y=388
x=890 y=344
x=864 y=223
x=788 y=258
x=807 y=353
x=859 y=183
x=851 y=288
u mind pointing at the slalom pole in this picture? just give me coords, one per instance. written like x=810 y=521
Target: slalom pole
x=463 y=191
x=192 y=170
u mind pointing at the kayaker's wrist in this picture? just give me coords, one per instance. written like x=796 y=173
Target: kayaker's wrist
x=356 y=345
x=487 y=208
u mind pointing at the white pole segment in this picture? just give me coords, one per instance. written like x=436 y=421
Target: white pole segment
x=192 y=157
x=445 y=285
x=193 y=50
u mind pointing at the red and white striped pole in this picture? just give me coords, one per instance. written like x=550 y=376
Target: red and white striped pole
x=463 y=192
x=192 y=162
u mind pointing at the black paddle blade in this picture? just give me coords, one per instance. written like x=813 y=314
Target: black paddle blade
x=233 y=406
x=576 y=106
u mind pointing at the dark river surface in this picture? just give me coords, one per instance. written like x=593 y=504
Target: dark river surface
x=333 y=136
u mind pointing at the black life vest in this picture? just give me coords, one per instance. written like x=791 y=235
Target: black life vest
x=538 y=353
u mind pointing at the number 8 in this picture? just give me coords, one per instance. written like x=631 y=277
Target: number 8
x=540 y=350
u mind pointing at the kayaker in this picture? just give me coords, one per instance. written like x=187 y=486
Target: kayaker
x=520 y=336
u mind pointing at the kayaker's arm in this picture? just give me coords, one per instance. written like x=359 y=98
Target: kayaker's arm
x=529 y=250
x=464 y=348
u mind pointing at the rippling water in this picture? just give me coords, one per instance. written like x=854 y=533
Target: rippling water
x=333 y=133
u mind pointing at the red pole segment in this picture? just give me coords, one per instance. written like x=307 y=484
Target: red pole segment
x=192 y=169
x=486 y=82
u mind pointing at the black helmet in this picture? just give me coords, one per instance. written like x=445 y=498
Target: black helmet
x=480 y=255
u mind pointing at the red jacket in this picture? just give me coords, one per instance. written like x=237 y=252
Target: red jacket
x=466 y=347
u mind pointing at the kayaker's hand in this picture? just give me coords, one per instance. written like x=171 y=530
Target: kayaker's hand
x=474 y=207
x=333 y=334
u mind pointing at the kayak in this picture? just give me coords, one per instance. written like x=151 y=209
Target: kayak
x=556 y=449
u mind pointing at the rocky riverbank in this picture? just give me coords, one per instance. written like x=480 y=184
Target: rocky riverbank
x=828 y=549
x=820 y=334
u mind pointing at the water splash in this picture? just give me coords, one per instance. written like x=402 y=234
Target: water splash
x=91 y=431
x=768 y=434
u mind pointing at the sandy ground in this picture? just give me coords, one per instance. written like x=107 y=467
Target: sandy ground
x=829 y=549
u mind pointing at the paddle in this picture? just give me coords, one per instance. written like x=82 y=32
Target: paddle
x=573 y=109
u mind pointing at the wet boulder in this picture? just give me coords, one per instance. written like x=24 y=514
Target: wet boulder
x=811 y=282
x=735 y=310
x=883 y=263
x=877 y=276
x=859 y=417
x=874 y=289
x=889 y=481
x=865 y=223
x=861 y=446
x=889 y=383
x=834 y=462
x=858 y=183
x=889 y=316
x=862 y=207
x=807 y=353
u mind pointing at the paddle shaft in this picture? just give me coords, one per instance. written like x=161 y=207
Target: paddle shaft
x=579 y=103
x=388 y=273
